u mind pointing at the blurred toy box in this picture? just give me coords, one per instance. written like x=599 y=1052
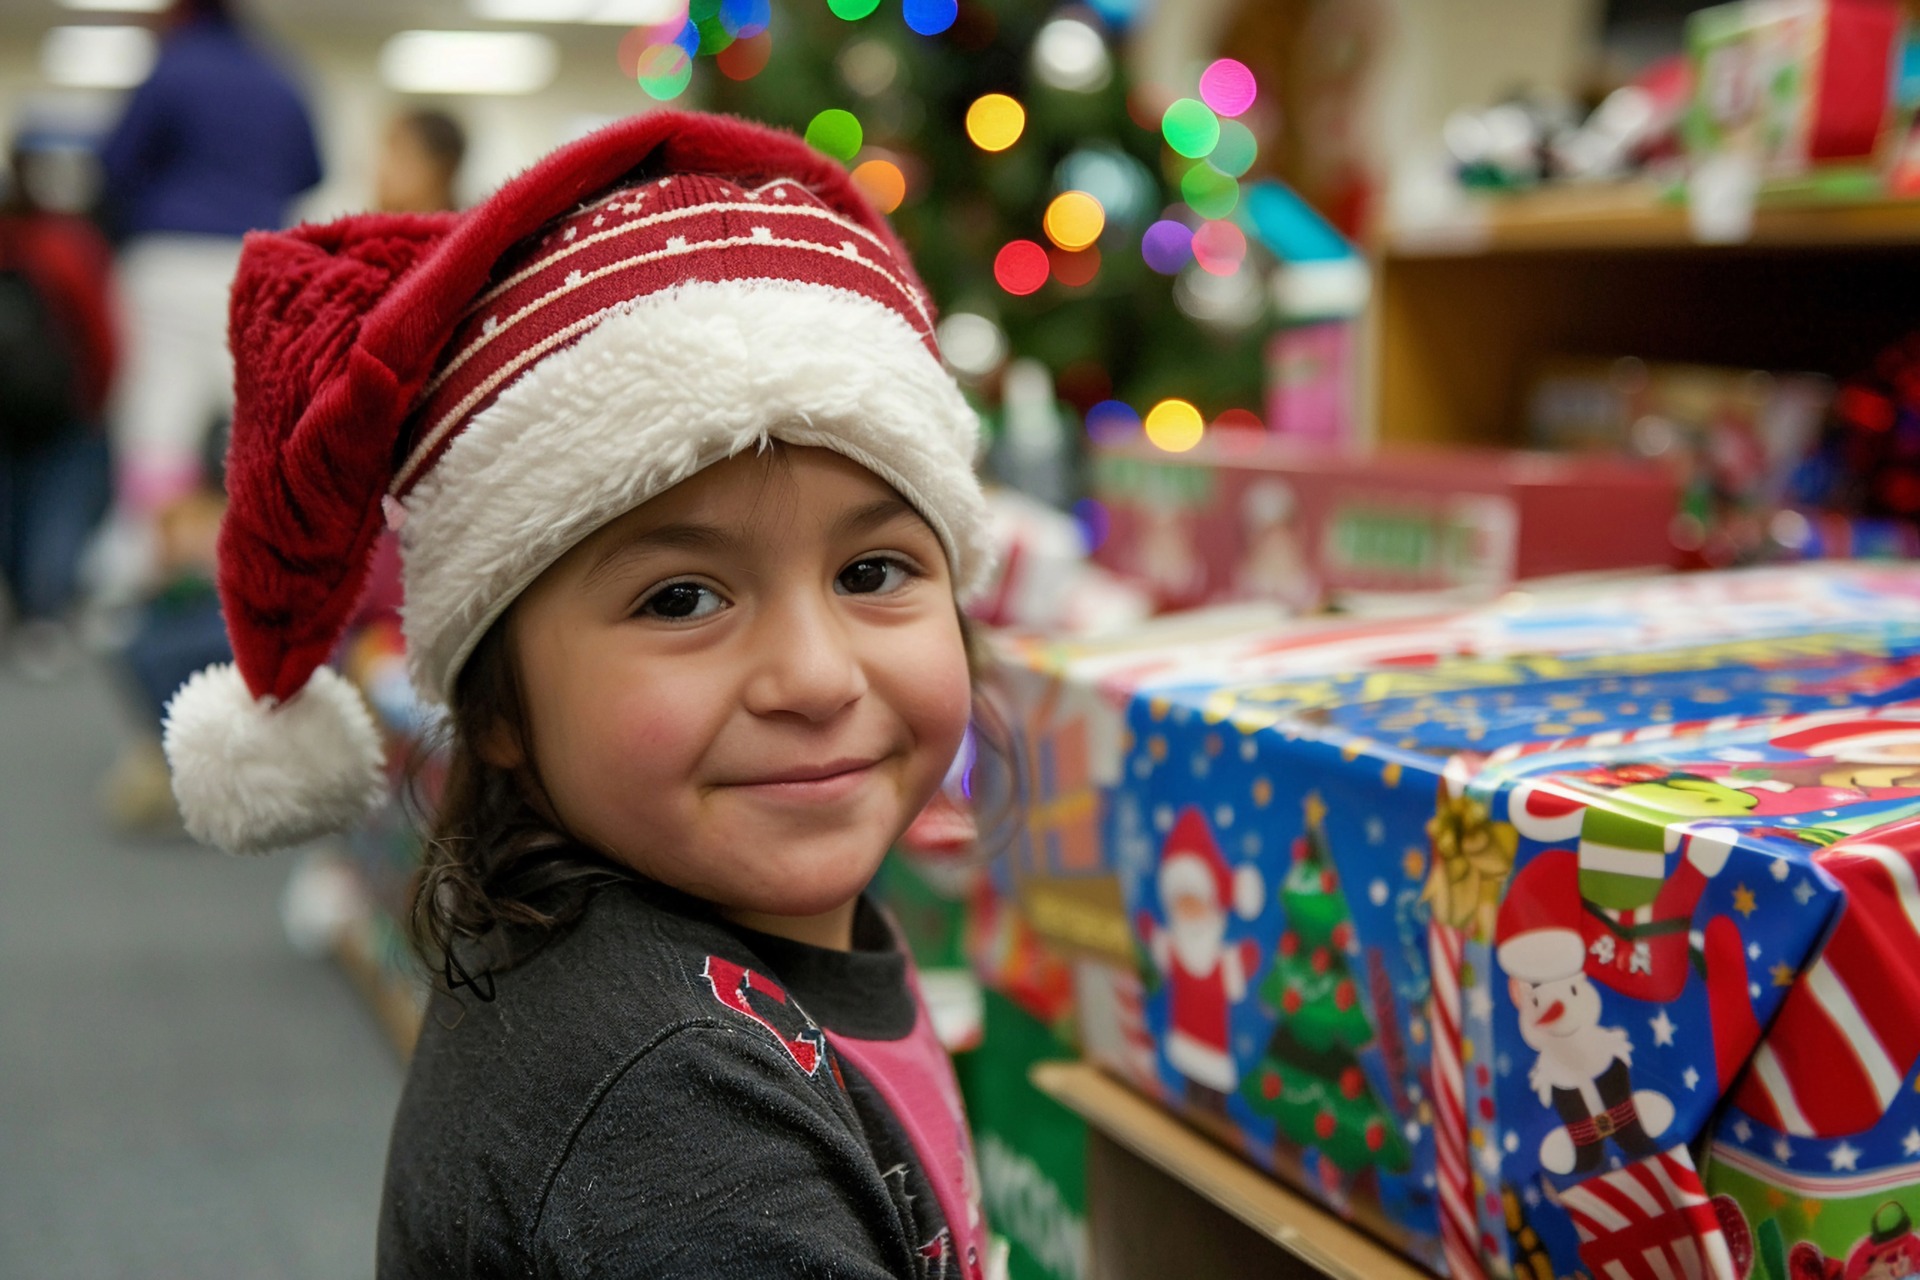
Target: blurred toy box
x=1246 y=517
x=1793 y=84
x=1730 y=438
x=1580 y=934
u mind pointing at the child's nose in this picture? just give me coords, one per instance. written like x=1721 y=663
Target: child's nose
x=806 y=662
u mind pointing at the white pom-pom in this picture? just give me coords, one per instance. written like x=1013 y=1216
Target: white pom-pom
x=1249 y=891
x=250 y=777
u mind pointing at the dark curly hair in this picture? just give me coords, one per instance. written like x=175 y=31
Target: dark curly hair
x=499 y=877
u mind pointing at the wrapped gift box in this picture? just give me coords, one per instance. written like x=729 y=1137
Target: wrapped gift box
x=1249 y=517
x=1579 y=934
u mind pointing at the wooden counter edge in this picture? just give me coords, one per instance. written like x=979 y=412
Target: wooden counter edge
x=1302 y=1228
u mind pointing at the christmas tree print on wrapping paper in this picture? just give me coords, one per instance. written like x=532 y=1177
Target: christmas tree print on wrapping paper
x=1310 y=1080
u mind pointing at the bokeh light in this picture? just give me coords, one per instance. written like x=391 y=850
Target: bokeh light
x=1068 y=54
x=1074 y=220
x=744 y=19
x=835 y=132
x=664 y=71
x=1120 y=183
x=747 y=58
x=1175 y=426
x=1190 y=128
x=852 y=10
x=713 y=37
x=1228 y=87
x=1211 y=193
x=1091 y=515
x=882 y=183
x=1167 y=246
x=1236 y=151
x=1239 y=420
x=995 y=122
x=930 y=17
x=1075 y=269
x=1219 y=248
x=972 y=345
x=1021 y=267
x=1112 y=420
x=688 y=38
x=869 y=67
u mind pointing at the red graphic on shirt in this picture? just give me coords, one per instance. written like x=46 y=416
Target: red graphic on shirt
x=744 y=991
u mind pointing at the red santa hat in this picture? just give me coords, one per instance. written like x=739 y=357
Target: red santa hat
x=1846 y=734
x=1191 y=864
x=1537 y=933
x=496 y=385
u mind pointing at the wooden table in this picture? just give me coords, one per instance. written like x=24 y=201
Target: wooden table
x=1165 y=1200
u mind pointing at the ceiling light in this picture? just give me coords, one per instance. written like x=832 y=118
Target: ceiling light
x=611 y=13
x=500 y=62
x=97 y=57
x=116 y=6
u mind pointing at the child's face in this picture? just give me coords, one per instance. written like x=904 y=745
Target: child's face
x=748 y=687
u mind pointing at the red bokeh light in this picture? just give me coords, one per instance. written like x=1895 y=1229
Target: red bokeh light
x=1021 y=267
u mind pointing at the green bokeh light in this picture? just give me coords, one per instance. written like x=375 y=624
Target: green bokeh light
x=852 y=10
x=1190 y=128
x=713 y=36
x=835 y=132
x=665 y=71
x=1236 y=151
x=1210 y=193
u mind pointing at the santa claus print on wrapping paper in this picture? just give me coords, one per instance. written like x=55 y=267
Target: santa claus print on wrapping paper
x=1635 y=919
x=1206 y=976
x=1583 y=1070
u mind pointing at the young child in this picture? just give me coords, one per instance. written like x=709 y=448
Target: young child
x=685 y=505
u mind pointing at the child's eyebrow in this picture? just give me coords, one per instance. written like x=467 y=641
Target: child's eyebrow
x=872 y=515
x=666 y=537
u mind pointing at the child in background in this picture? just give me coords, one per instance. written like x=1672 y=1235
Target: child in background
x=686 y=507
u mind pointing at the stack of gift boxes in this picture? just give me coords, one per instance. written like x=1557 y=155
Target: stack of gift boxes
x=1578 y=932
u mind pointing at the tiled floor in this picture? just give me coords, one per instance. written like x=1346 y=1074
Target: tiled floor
x=181 y=1095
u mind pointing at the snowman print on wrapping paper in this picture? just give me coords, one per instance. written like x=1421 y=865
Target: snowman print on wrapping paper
x=1584 y=1068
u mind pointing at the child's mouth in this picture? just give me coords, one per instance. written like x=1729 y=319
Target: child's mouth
x=810 y=784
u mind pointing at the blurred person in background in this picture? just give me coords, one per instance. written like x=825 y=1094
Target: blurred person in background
x=57 y=352
x=217 y=142
x=419 y=166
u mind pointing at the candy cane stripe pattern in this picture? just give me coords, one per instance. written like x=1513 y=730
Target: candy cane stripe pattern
x=1649 y=1221
x=1457 y=1233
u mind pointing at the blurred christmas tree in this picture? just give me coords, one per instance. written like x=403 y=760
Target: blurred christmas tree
x=1041 y=195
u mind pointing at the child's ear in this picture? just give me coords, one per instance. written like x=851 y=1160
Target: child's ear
x=500 y=747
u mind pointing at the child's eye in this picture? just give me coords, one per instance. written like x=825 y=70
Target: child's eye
x=874 y=575
x=681 y=602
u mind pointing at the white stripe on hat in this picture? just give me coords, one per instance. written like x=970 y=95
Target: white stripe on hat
x=805 y=210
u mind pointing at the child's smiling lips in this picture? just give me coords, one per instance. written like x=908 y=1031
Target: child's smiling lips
x=827 y=780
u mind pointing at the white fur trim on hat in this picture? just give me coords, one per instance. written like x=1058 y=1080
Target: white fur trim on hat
x=251 y=777
x=1543 y=955
x=659 y=389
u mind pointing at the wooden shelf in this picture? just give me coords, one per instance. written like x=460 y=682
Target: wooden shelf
x=1632 y=216
x=1325 y=1243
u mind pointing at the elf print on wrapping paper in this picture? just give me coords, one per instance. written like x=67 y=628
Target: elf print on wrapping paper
x=1584 y=1068
x=1635 y=919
